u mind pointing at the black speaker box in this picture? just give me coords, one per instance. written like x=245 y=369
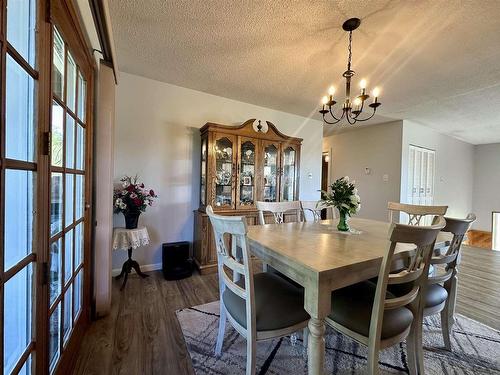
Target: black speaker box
x=175 y=260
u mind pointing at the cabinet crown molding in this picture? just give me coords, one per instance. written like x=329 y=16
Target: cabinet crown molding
x=248 y=130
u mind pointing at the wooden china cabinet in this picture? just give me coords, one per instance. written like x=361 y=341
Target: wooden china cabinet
x=239 y=166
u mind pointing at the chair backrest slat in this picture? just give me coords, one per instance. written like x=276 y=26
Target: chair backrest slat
x=415 y=212
x=315 y=208
x=278 y=210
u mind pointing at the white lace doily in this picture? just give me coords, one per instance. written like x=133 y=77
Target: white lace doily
x=123 y=239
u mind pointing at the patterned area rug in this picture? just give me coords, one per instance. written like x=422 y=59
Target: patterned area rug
x=476 y=349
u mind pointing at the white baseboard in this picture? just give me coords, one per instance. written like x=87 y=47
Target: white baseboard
x=144 y=268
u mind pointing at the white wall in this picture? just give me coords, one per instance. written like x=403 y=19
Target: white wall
x=376 y=147
x=157 y=137
x=486 y=197
x=454 y=171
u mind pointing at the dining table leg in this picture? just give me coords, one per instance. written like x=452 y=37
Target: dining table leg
x=316 y=346
x=317 y=302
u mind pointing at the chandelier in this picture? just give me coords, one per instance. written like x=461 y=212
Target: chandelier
x=352 y=109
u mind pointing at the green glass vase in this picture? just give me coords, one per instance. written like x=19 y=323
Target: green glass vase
x=343 y=226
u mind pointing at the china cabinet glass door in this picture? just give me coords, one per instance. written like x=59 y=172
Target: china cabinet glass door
x=204 y=161
x=270 y=156
x=247 y=178
x=288 y=173
x=225 y=156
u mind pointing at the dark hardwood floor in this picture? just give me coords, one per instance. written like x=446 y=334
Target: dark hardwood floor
x=141 y=335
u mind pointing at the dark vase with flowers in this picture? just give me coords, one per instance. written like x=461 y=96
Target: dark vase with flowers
x=131 y=218
x=132 y=199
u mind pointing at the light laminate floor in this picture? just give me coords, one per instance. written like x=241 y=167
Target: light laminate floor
x=142 y=335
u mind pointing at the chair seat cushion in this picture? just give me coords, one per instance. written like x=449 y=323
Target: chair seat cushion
x=278 y=304
x=435 y=295
x=352 y=308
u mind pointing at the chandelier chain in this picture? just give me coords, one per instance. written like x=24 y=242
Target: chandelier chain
x=350 y=51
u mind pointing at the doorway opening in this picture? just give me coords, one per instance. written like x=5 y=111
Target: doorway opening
x=325 y=167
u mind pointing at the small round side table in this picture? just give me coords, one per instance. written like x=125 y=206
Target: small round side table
x=130 y=239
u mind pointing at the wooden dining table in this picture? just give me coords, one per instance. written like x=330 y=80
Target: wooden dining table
x=322 y=259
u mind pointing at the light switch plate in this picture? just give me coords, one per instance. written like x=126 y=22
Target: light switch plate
x=385 y=178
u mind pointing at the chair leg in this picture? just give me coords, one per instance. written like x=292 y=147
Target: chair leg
x=446 y=327
x=419 y=349
x=251 y=354
x=222 y=329
x=305 y=336
x=448 y=313
x=373 y=353
x=411 y=352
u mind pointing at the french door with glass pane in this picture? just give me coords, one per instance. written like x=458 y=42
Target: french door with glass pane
x=19 y=181
x=67 y=196
x=46 y=75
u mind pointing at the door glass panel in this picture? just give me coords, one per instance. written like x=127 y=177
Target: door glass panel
x=68 y=319
x=68 y=208
x=21 y=17
x=203 y=188
x=58 y=65
x=247 y=173
x=68 y=256
x=57 y=135
x=70 y=141
x=55 y=281
x=77 y=306
x=288 y=181
x=56 y=203
x=18 y=316
x=78 y=245
x=224 y=172
x=71 y=83
x=270 y=172
x=19 y=119
x=82 y=92
x=18 y=235
x=54 y=337
x=79 y=197
x=80 y=147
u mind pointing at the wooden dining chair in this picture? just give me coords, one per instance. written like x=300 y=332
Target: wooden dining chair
x=373 y=316
x=415 y=212
x=278 y=211
x=261 y=306
x=441 y=291
x=315 y=208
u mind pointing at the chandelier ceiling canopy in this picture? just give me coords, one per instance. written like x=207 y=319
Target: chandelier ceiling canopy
x=352 y=108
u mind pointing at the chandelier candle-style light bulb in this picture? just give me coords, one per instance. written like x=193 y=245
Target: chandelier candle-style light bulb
x=353 y=106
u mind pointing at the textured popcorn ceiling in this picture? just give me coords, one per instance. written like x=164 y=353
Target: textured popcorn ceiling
x=437 y=62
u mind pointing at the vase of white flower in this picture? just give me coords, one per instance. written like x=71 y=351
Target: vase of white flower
x=343 y=225
x=344 y=196
x=132 y=199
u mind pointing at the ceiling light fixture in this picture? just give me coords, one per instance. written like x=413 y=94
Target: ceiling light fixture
x=352 y=108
